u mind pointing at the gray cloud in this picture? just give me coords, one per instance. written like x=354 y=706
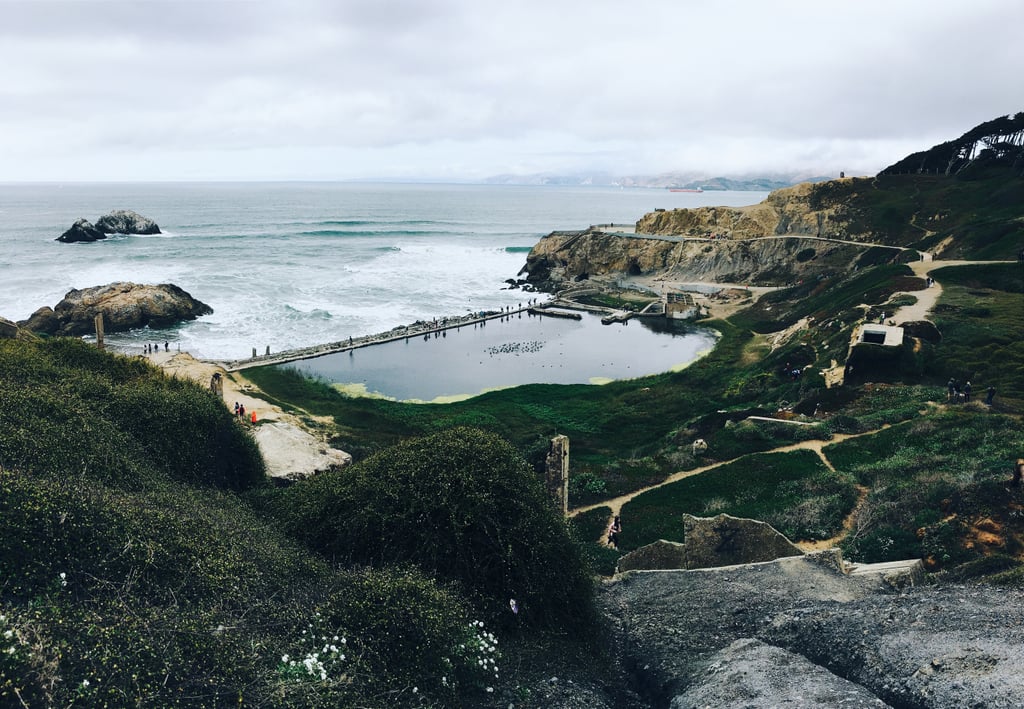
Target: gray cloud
x=466 y=88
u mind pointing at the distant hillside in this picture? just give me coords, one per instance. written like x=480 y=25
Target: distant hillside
x=961 y=199
x=686 y=180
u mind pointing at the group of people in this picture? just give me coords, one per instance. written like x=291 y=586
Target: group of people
x=240 y=412
x=155 y=347
x=957 y=393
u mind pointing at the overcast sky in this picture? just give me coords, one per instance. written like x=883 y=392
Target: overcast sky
x=465 y=89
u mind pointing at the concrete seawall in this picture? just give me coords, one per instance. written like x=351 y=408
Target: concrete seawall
x=402 y=332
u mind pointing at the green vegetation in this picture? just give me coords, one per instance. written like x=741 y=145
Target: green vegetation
x=462 y=506
x=794 y=492
x=68 y=409
x=979 y=316
x=134 y=571
x=145 y=560
x=929 y=480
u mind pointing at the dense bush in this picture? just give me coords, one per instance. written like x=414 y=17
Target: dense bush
x=67 y=408
x=184 y=597
x=462 y=505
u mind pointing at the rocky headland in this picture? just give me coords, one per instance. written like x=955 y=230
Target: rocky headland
x=562 y=258
x=124 y=306
x=797 y=632
x=119 y=221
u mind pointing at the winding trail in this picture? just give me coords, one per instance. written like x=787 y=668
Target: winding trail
x=617 y=503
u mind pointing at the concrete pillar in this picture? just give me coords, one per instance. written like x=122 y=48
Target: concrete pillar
x=557 y=472
x=98 y=321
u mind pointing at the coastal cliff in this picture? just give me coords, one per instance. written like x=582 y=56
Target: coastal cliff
x=563 y=257
x=792 y=210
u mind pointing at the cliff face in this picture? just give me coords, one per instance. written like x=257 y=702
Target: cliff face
x=791 y=210
x=562 y=257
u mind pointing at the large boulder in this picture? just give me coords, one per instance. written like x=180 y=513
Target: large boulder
x=125 y=221
x=82 y=230
x=125 y=306
x=725 y=540
x=43 y=321
x=8 y=330
x=711 y=542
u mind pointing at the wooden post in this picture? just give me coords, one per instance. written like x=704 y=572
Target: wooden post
x=557 y=472
x=98 y=321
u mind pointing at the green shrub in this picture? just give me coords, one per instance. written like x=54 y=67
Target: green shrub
x=462 y=505
x=67 y=408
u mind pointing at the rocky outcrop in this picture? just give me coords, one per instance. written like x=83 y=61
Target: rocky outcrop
x=293 y=454
x=712 y=541
x=8 y=329
x=562 y=258
x=125 y=221
x=120 y=221
x=687 y=635
x=43 y=321
x=125 y=306
x=791 y=210
x=725 y=540
x=82 y=230
x=749 y=673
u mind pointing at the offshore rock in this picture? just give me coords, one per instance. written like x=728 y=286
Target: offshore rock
x=125 y=221
x=125 y=306
x=81 y=230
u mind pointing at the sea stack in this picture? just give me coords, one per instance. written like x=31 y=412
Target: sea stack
x=119 y=221
x=124 y=306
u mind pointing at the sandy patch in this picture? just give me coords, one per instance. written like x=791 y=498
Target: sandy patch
x=290 y=448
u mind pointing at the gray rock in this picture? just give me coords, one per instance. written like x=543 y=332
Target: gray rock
x=725 y=540
x=81 y=230
x=753 y=675
x=934 y=647
x=125 y=221
x=661 y=554
x=712 y=541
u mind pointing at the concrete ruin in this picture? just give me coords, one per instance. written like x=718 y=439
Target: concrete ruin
x=711 y=542
x=556 y=470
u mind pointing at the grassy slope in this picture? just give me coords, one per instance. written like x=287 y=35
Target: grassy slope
x=133 y=572
x=981 y=211
x=631 y=434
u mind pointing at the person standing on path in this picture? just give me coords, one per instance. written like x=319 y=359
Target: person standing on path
x=613 y=532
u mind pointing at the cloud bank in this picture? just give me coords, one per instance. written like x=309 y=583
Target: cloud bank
x=463 y=89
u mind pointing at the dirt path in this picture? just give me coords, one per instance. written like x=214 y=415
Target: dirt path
x=292 y=448
x=848 y=522
x=617 y=503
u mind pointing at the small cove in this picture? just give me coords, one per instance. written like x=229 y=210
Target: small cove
x=516 y=350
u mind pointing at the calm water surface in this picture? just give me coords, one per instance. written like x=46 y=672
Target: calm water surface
x=517 y=350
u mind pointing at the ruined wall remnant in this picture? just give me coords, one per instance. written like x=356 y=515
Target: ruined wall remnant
x=557 y=472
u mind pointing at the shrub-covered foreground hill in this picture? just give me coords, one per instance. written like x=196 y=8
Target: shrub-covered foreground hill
x=134 y=570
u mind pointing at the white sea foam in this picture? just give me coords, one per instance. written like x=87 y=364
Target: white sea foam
x=294 y=265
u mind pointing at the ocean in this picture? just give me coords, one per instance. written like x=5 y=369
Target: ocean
x=288 y=265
